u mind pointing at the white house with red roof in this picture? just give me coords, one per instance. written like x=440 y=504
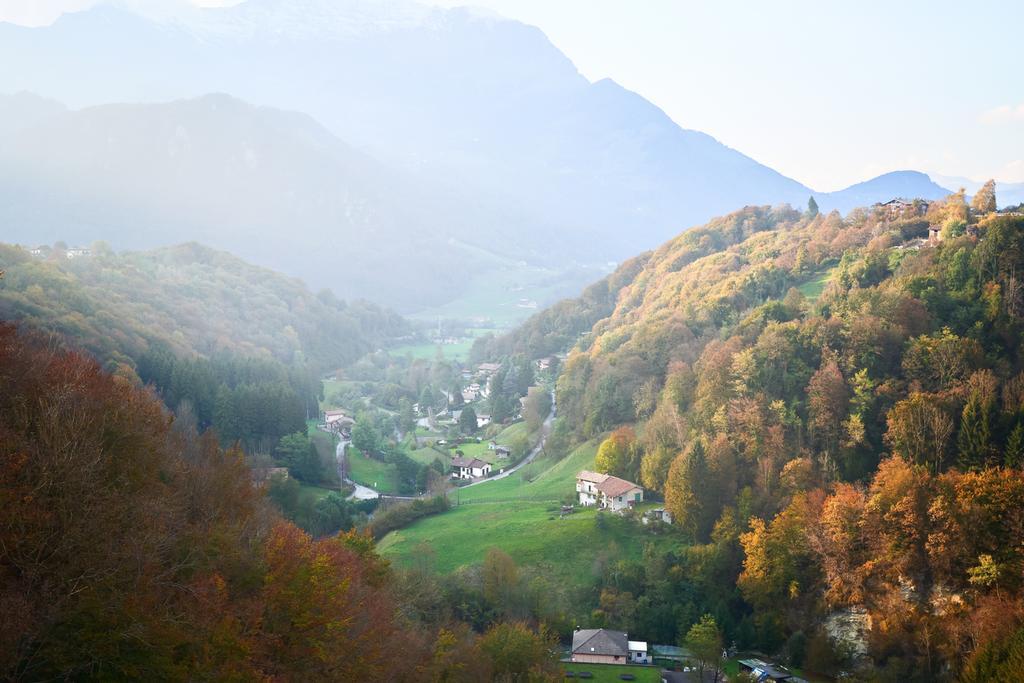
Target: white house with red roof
x=469 y=468
x=606 y=491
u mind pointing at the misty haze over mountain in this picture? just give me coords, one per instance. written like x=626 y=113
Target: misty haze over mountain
x=385 y=150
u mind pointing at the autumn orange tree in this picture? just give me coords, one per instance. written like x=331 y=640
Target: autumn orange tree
x=132 y=547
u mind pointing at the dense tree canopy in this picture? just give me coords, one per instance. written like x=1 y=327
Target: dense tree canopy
x=132 y=547
x=828 y=405
x=191 y=301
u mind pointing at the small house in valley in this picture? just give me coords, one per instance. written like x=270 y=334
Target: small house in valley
x=337 y=421
x=606 y=491
x=77 y=252
x=488 y=369
x=469 y=468
x=604 y=646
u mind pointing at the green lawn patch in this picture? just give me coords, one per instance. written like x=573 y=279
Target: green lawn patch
x=606 y=673
x=427 y=455
x=508 y=292
x=370 y=472
x=545 y=479
x=813 y=288
x=480 y=451
x=428 y=351
x=532 y=533
x=519 y=430
x=314 y=492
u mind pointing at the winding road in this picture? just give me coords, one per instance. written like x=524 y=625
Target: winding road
x=545 y=431
x=361 y=492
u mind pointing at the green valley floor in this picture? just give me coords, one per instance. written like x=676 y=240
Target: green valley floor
x=521 y=516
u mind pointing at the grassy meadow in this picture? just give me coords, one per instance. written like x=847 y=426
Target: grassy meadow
x=370 y=472
x=606 y=673
x=520 y=515
x=532 y=533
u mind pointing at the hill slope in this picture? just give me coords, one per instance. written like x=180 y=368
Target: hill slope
x=191 y=300
x=476 y=100
x=273 y=186
x=487 y=142
x=906 y=184
x=824 y=451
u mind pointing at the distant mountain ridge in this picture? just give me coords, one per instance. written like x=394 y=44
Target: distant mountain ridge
x=273 y=186
x=905 y=184
x=488 y=132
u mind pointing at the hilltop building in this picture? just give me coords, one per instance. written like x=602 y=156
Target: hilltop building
x=77 y=252
x=897 y=208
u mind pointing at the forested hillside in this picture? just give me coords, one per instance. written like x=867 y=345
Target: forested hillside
x=193 y=300
x=834 y=411
x=133 y=548
x=227 y=344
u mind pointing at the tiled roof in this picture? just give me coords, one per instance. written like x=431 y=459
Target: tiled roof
x=600 y=641
x=593 y=477
x=475 y=463
x=613 y=486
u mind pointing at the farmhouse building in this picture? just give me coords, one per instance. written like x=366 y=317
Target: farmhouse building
x=469 y=468
x=901 y=208
x=638 y=652
x=604 y=646
x=606 y=491
x=337 y=421
x=488 y=369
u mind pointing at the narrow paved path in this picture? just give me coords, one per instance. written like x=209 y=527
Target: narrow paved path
x=361 y=492
x=545 y=431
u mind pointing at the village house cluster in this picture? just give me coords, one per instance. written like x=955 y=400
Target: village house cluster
x=44 y=251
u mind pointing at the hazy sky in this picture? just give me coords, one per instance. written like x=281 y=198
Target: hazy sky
x=828 y=93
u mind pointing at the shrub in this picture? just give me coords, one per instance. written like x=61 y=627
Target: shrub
x=404 y=514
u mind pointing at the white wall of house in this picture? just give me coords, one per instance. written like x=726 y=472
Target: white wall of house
x=622 y=502
x=597 y=659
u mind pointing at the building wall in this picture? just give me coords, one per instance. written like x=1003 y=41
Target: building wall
x=598 y=659
x=627 y=498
